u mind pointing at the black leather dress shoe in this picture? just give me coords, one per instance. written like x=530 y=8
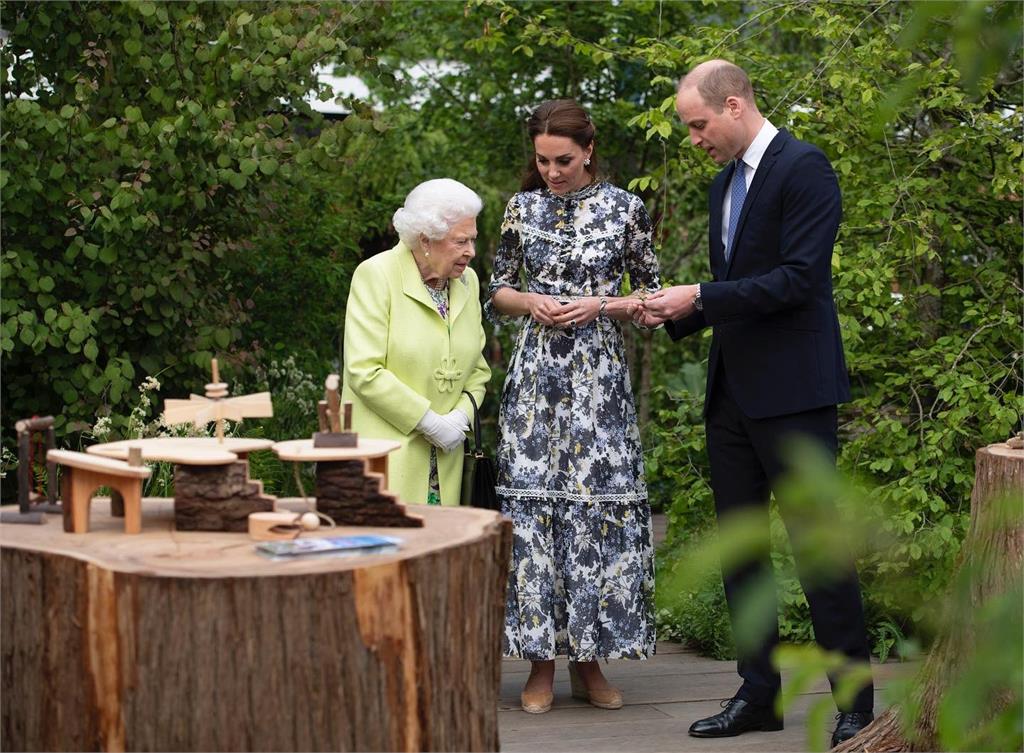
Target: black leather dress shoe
x=738 y=717
x=849 y=723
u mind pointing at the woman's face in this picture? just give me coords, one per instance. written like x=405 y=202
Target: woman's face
x=450 y=255
x=560 y=162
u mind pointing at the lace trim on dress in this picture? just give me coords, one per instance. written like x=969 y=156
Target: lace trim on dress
x=563 y=240
x=629 y=497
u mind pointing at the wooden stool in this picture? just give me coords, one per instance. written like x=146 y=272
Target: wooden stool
x=84 y=474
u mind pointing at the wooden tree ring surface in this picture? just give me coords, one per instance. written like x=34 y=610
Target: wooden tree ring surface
x=171 y=640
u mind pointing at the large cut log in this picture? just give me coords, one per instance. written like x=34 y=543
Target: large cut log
x=192 y=641
x=993 y=550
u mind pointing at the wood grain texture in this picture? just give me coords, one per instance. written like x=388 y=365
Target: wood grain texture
x=183 y=450
x=191 y=641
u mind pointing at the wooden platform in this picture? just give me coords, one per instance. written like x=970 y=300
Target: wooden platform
x=664 y=696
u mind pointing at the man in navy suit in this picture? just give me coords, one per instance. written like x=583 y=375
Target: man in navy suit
x=776 y=367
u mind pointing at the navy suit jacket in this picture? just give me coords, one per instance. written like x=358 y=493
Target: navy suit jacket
x=776 y=333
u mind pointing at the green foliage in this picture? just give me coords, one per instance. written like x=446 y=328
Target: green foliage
x=168 y=195
x=926 y=267
x=138 y=139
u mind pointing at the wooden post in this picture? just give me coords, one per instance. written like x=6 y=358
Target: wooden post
x=994 y=548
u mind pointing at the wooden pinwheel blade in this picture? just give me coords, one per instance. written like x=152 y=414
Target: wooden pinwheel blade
x=257 y=405
x=183 y=411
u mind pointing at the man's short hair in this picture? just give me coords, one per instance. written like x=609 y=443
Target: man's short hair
x=717 y=82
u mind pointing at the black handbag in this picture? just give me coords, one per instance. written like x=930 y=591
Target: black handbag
x=478 y=474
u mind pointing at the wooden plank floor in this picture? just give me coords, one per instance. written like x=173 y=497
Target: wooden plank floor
x=664 y=696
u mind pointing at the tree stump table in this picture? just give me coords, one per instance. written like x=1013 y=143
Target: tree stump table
x=192 y=641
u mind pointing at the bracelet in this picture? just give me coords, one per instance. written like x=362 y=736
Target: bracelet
x=601 y=311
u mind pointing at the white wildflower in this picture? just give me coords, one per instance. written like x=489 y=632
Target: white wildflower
x=102 y=427
x=149 y=384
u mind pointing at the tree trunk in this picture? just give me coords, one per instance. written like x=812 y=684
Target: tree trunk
x=994 y=550
x=191 y=641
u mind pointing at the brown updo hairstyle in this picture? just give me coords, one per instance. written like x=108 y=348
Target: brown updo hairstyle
x=558 y=117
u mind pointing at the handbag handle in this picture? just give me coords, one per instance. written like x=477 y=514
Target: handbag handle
x=477 y=449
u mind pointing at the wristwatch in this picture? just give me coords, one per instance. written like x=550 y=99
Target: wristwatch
x=698 y=304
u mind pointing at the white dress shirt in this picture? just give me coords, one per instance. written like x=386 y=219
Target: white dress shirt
x=751 y=158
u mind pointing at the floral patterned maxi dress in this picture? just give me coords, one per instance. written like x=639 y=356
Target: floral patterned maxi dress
x=570 y=467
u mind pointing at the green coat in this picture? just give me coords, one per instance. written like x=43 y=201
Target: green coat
x=401 y=359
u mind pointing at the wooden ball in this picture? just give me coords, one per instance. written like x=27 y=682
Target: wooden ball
x=309 y=521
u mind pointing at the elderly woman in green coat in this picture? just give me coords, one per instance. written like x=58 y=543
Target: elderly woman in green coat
x=414 y=342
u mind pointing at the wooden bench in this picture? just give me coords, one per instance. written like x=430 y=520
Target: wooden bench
x=84 y=474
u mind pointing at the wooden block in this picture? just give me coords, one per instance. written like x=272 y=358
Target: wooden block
x=335 y=439
x=217 y=498
x=274 y=526
x=80 y=484
x=351 y=495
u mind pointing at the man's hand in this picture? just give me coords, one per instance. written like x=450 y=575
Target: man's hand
x=646 y=319
x=670 y=303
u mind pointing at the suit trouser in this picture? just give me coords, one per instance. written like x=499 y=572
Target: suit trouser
x=745 y=464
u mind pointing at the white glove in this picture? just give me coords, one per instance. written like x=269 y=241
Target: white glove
x=443 y=431
x=458 y=419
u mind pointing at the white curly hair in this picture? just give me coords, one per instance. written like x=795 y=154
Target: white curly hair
x=432 y=208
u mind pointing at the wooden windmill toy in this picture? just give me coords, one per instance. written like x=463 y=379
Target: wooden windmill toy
x=216 y=406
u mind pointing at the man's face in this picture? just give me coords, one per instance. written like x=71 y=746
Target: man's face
x=720 y=134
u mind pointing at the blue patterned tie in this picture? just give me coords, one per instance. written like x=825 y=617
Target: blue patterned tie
x=737 y=193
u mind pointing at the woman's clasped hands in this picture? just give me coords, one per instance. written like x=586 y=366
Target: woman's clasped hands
x=577 y=312
x=444 y=432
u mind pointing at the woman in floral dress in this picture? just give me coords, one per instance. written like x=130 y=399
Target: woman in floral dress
x=570 y=467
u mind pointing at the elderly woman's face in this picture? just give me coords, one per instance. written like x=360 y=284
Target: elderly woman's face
x=450 y=255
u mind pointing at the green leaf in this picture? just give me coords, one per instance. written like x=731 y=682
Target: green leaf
x=222 y=337
x=90 y=350
x=268 y=165
x=57 y=171
x=67 y=111
x=247 y=166
x=46 y=284
x=133 y=47
x=132 y=114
